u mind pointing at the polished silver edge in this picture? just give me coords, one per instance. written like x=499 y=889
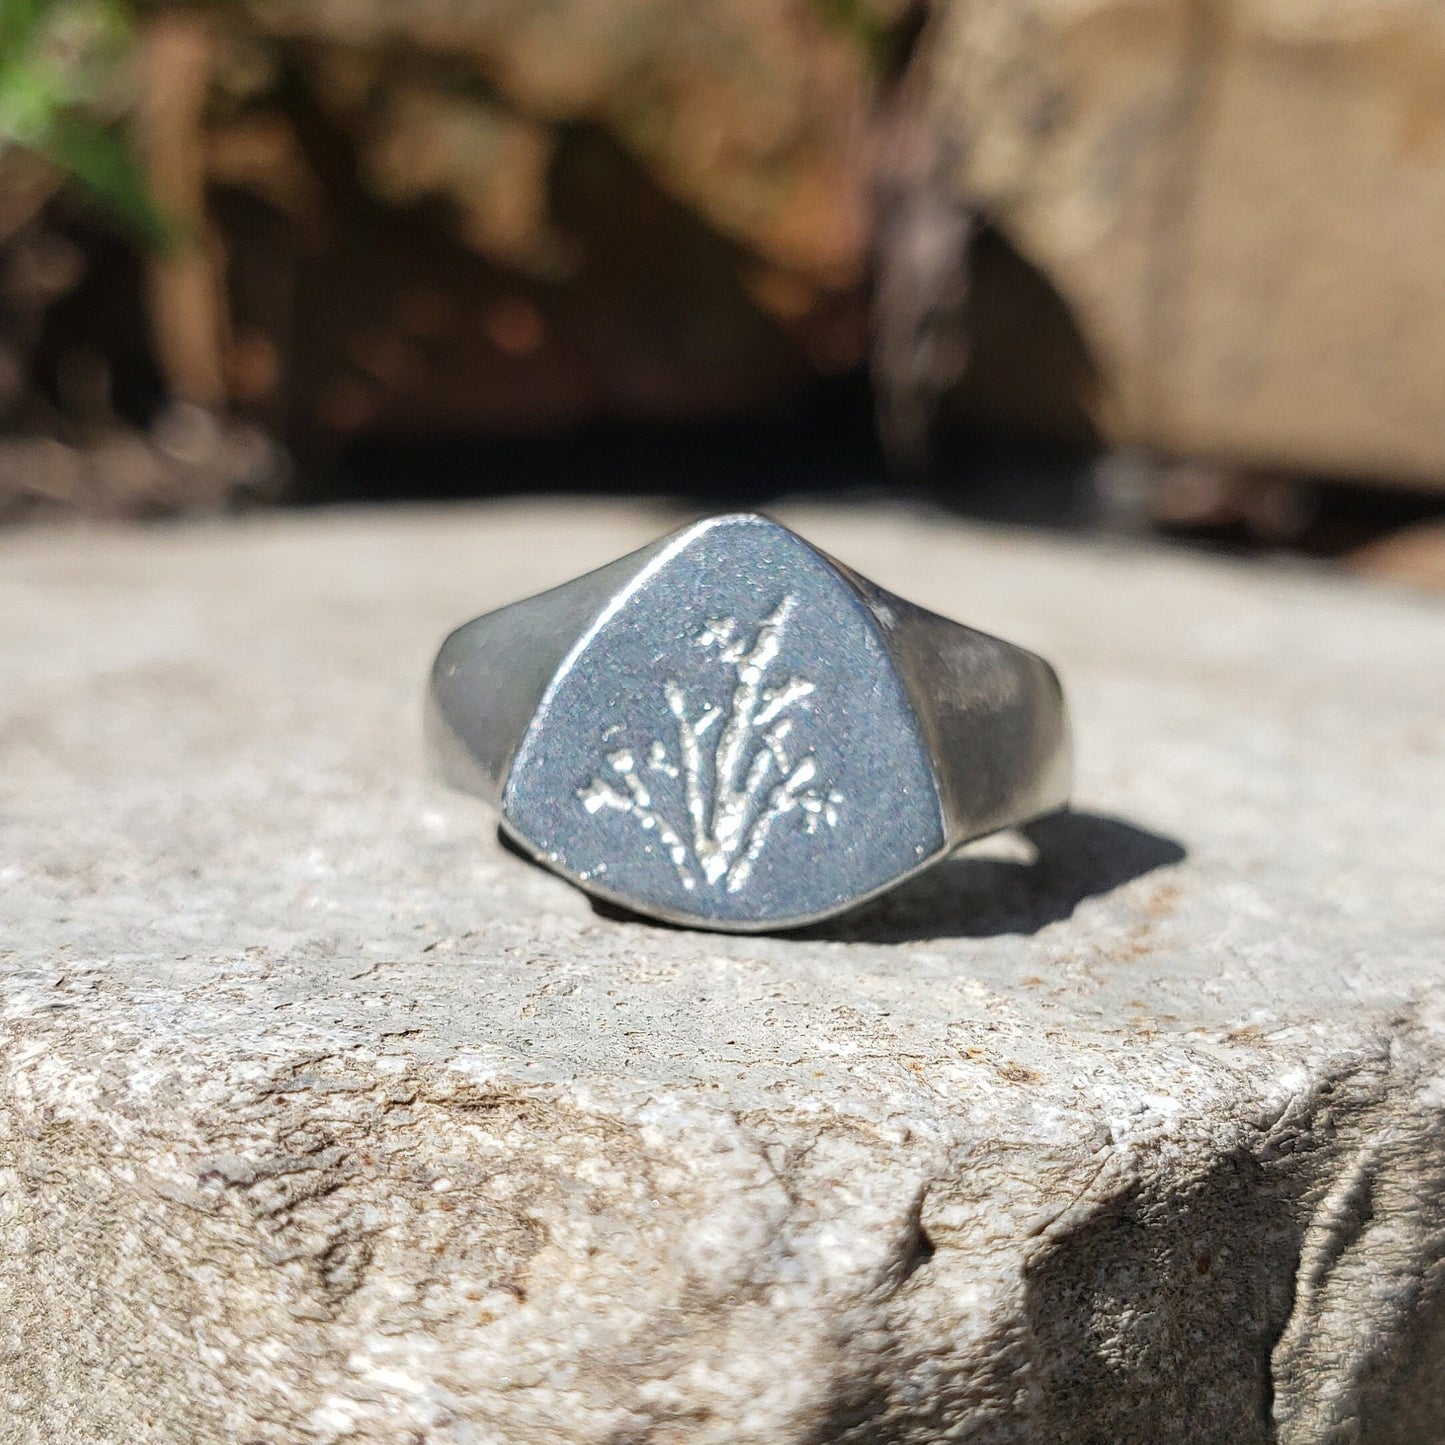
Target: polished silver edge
x=977 y=695
x=705 y=924
x=656 y=555
x=474 y=733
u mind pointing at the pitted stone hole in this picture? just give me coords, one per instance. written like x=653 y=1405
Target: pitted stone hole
x=921 y=1251
x=224 y=1172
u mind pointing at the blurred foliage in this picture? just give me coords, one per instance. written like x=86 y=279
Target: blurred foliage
x=877 y=36
x=62 y=94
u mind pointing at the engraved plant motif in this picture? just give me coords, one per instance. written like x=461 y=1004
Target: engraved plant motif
x=735 y=794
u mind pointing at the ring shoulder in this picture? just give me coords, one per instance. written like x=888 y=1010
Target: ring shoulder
x=993 y=714
x=492 y=674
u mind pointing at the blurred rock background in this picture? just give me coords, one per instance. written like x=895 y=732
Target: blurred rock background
x=245 y=243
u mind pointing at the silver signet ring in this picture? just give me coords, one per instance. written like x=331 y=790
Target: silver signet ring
x=729 y=729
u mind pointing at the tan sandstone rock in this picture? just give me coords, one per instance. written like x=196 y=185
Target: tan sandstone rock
x=1241 y=201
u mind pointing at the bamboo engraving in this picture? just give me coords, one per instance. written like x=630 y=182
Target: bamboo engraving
x=734 y=795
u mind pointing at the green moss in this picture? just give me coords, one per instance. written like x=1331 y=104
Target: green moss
x=875 y=37
x=60 y=98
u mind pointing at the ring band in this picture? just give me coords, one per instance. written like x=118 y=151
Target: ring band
x=729 y=729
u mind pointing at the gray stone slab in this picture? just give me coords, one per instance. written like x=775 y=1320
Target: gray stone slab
x=323 y=1117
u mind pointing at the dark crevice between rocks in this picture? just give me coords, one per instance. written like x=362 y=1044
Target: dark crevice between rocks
x=1177 y=1300
x=923 y=1250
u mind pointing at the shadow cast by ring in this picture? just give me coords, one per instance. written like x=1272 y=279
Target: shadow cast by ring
x=1080 y=855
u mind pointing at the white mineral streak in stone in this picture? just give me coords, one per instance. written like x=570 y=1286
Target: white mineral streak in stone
x=325 y=1118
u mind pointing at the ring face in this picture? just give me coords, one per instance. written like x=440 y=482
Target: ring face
x=731 y=730
x=729 y=744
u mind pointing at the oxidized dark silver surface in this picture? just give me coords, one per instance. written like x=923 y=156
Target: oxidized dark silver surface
x=729 y=729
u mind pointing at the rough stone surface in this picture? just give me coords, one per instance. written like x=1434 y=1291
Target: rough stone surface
x=326 y=1118
x=1238 y=199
